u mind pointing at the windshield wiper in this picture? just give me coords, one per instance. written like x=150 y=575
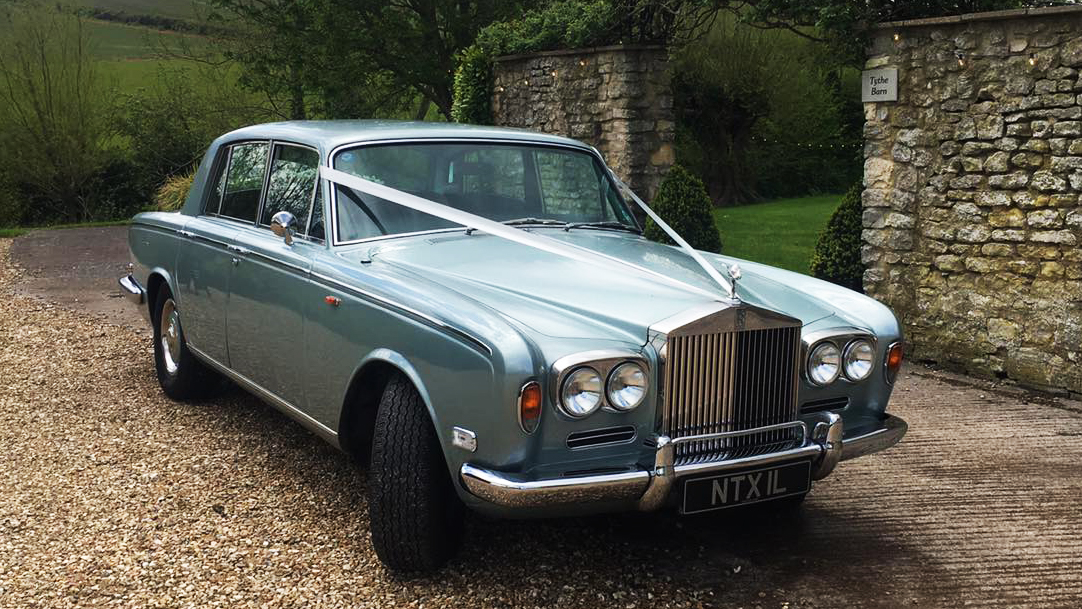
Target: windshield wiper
x=518 y=221
x=604 y=224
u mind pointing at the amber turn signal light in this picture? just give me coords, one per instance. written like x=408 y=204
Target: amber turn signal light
x=529 y=406
x=894 y=361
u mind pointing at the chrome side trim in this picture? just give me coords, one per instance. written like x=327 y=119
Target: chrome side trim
x=886 y=435
x=278 y=403
x=439 y=324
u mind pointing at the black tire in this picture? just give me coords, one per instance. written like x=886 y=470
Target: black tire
x=181 y=375
x=416 y=517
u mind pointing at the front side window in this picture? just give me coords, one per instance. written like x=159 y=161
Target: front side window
x=291 y=184
x=244 y=181
x=501 y=182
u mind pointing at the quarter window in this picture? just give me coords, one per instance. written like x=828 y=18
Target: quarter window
x=291 y=184
x=244 y=181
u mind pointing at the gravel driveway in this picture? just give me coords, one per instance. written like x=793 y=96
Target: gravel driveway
x=111 y=495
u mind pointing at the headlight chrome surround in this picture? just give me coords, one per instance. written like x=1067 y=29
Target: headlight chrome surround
x=858 y=360
x=604 y=362
x=818 y=358
x=626 y=386
x=582 y=392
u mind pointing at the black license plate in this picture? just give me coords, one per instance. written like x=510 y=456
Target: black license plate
x=742 y=488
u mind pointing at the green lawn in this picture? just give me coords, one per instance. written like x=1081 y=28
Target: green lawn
x=780 y=233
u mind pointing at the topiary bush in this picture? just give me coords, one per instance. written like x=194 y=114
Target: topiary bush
x=683 y=204
x=837 y=252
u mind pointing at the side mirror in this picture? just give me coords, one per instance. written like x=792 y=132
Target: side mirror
x=284 y=224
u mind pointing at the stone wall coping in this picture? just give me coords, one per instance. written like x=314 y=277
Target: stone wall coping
x=585 y=51
x=1013 y=13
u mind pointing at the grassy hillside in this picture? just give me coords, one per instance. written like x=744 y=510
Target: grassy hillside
x=780 y=233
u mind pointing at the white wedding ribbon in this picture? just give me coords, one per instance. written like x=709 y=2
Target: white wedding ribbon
x=497 y=229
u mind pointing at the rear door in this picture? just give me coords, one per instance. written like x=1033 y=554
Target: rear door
x=270 y=289
x=205 y=260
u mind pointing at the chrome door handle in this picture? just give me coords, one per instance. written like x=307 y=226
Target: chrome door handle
x=236 y=261
x=237 y=249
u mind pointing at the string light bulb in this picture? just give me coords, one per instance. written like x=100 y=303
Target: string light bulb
x=897 y=36
x=1032 y=60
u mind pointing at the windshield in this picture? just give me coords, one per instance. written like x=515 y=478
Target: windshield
x=501 y=182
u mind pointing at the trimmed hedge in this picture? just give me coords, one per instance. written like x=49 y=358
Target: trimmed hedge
x=837 y=252
x=682 y=202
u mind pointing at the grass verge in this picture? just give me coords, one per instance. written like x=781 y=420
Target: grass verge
x=10 y=233
x=780 y=233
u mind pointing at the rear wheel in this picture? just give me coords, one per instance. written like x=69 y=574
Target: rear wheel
x=416 y=517
x=180 y=374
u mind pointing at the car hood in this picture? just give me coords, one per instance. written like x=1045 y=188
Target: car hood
x=562 y=297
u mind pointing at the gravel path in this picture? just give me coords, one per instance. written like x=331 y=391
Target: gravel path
x=113 y=496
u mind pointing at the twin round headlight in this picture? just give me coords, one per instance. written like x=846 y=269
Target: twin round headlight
x=625 y=389
x=826 y=362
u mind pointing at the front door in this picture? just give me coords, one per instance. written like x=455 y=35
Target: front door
x=270 y=288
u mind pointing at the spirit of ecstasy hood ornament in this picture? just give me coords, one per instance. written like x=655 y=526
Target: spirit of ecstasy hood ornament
x=734 y=274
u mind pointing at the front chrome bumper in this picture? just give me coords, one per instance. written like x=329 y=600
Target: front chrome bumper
x=131 y=289
x=825 y=445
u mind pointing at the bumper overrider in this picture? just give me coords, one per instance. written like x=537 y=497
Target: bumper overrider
x=824 y=445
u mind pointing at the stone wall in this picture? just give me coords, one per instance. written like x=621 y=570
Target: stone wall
x=615 y=98
x=972 y=223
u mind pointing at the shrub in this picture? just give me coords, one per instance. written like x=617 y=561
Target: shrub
x=172 y=194
x=473 y=88
x=837 y=252
x=683 y=204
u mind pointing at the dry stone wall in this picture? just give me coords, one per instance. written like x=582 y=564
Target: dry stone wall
x=616 y=98
x=972 y=221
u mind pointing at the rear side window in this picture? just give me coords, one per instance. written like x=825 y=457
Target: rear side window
x=291 y=184
x=244 y=181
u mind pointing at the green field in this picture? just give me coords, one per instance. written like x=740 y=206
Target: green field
x=119 y=41
x=779 y=233
x=175 y=9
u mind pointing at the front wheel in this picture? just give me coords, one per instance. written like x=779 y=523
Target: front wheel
x=180 y=374
x=416 y=517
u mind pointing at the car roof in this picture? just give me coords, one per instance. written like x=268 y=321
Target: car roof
x=330 y=134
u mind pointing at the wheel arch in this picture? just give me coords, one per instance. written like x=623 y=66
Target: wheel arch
x=356 y=424
x=155 y=279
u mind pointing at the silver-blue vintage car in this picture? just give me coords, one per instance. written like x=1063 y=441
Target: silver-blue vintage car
x=475 y=313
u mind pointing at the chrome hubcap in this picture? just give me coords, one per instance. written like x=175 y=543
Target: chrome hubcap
x=170 y=332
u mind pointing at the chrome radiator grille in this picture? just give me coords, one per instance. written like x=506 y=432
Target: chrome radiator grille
x=731 y=381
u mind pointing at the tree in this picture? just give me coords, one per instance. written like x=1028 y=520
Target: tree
x=844 y=23
x=357 y=57
x=55 y=110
